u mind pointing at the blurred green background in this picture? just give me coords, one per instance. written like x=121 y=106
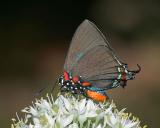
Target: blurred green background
x=34 y=38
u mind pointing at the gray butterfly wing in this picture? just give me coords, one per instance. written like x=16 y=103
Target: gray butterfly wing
x=85 y=38
x=97 y=66
x=91 y=56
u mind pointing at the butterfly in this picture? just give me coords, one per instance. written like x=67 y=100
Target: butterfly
x=91 y=66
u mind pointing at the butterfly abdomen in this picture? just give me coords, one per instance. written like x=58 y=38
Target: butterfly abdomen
x=96 y=96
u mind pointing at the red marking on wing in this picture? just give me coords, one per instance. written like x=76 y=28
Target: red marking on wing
x=96 y=96
x=124 y=76
x=75 y=79
x=86 y=84
x=66 y=76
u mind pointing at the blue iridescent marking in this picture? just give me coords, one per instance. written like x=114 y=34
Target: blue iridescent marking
x=115 y=84
x=78 y=57
x=99 y=90
x=95 y=88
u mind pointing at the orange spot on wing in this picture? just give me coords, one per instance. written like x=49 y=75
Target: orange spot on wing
x=86 y=84
x=96 y=96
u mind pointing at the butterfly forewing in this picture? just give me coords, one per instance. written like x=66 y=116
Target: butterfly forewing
x=91 y=57
x=86 y=37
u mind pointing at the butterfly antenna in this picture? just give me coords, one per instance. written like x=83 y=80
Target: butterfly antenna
x=54 y=85
x=44 y=88
x=40 y=91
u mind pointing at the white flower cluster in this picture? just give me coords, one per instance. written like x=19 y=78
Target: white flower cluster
x=70 y=112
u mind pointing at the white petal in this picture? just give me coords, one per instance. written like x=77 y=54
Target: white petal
x=90 y=105
x=33 y=111
x=99 y=126
x=81 y=120
x=91 y=114
x=66 y=103
x=30 y=126
x=130 y=125
x=66 y=121
x=82 y=105
x=74 y=125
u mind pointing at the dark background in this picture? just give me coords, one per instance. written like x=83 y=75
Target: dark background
x=34 y=38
